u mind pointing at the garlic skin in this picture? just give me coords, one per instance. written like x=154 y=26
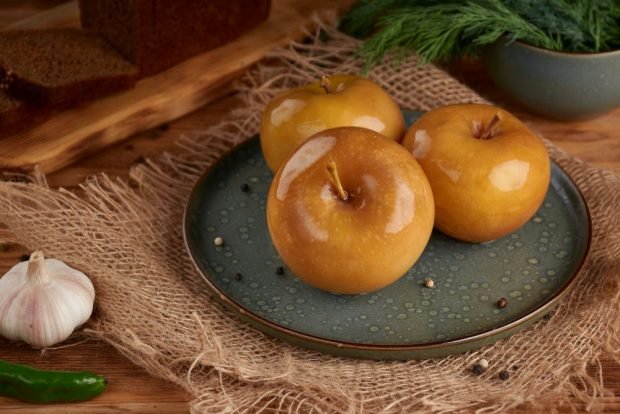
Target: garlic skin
x=43 y=300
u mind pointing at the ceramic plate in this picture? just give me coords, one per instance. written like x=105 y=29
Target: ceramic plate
x=531 y=268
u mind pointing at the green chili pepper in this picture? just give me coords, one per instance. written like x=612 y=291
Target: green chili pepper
x=38 y=386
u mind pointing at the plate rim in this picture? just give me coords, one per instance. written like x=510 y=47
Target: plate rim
x=258 y=322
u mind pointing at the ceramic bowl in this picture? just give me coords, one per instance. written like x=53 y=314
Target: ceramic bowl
x=555 y=84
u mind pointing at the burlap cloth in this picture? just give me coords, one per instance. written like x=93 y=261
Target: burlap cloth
x=153 y=307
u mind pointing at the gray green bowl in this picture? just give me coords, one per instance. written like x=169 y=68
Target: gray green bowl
x=566 y=86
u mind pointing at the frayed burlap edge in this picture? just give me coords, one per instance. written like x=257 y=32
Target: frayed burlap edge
x=152 y=306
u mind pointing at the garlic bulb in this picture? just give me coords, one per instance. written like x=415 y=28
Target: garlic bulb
x=43 y=300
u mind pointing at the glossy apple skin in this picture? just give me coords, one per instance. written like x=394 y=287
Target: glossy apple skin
x=483 y=189
x=362 y=244
x=299 y=113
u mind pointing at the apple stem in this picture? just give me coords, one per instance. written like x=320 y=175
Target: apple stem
x=333 y=171
x=326 y=84
x=488 y=131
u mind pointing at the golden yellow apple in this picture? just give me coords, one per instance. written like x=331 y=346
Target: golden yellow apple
x=335 y=101
x=350 y=211
x=489 y=172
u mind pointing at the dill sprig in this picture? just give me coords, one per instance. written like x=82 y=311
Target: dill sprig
x=443 y=30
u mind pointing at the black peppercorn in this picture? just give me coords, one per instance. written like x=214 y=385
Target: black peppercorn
x=279 y=270
x=245 y=187
x=238 y=276
x=24 y=258
x=504 y=375
x=478 y=369
x=502 y=303
x=139 y=160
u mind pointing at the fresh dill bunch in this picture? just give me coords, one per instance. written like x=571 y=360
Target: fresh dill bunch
x=360 y=20
x=442 y=30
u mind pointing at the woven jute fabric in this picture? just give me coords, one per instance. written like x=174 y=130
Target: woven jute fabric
x=153 y=306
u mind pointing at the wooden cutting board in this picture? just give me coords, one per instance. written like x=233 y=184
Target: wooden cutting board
x=73 y=134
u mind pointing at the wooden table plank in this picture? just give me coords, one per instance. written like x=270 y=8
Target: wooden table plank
x=129 y=389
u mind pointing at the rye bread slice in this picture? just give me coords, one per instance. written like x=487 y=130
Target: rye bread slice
x=61 y=66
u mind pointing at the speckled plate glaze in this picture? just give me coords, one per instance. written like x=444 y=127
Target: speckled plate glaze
x=532 y=268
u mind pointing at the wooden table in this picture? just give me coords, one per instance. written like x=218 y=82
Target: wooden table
x=133 y=390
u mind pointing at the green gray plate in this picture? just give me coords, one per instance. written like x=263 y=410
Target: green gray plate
x=531 y=268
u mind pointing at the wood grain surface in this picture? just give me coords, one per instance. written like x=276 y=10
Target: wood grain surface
x=70 y=135
x=132 y=390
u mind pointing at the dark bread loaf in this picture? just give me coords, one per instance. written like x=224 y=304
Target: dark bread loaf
x=61 y=66
x=157 y=34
